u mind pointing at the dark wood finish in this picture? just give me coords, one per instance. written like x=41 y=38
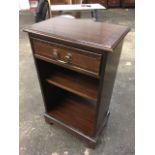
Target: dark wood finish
x=58 y=2
x=91 y=141
x=77 y=93
x=114 y=3
x=76 y=113
x=78 y=58
x=109 y=71
x=71 y=67
x=76 y=83
x=84 y=34
x=106 y=3
x=128 y=3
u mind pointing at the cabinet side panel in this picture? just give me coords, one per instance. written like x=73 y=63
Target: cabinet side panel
x=107 y=83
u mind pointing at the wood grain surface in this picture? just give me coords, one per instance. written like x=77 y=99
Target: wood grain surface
x=89 y=33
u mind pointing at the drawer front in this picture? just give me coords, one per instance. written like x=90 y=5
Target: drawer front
x=68 y=56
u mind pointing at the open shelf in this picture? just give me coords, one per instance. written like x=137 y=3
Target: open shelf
x=70 y=97
x=76 y=112
x=76 y=83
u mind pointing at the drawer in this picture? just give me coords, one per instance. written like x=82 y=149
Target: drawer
x=68 y=56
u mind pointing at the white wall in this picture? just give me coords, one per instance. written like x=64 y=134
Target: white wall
x=24 y=4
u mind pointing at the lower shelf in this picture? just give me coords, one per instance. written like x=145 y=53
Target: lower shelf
x=76 y=113
x=91 y=141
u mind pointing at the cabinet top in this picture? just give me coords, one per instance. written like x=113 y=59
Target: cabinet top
x=88 y=33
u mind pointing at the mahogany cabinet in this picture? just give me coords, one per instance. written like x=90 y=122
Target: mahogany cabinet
x=128 y=3
x=76 y=61
x=113 y=3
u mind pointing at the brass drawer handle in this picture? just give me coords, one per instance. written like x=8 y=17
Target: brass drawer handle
x=61 y=61
x=55 y=54
x=68 y=57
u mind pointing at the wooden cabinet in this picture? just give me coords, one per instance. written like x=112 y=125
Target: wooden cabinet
x=106 y=3
x=128 y=3
x=114 y=3
x=57 y=1
x=76 y=62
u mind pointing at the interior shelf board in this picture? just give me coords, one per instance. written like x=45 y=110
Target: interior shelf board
x=75 y=83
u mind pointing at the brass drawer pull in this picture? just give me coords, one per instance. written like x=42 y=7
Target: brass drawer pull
x=61 y=61
x=55 y=54
x=68 y=57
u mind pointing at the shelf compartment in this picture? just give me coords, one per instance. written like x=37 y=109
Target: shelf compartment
x=76 y=83
x=75 y=112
